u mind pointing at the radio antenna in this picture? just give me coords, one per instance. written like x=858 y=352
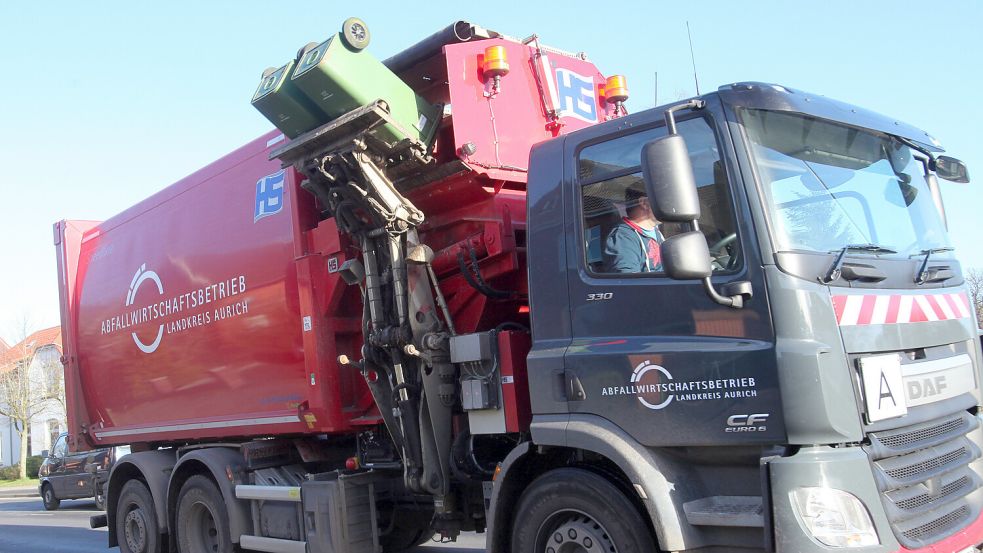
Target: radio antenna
x=693 y=59
x=657 y=88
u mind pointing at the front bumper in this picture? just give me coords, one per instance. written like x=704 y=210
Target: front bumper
x=847 y=469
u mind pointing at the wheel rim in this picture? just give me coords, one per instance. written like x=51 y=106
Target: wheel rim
x=358 y=32
x=135 y=529
x=48 y=496
x=201 y=530
x=573 y=532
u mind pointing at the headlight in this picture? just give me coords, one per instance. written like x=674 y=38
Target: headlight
x=833 y=517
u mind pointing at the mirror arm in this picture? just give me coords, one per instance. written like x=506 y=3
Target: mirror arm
x=933 y=187
x=930 y=178
x=736 y=302
x=671 y=118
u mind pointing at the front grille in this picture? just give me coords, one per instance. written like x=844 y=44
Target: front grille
x=942 y=525
x=898 y=441
x=932 y=464
x=923 y=473
x=958 y=425
x=921 y=500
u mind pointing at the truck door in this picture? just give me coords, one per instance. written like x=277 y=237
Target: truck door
x=657 y=356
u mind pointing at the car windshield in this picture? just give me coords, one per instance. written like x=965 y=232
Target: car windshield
x=829 y=185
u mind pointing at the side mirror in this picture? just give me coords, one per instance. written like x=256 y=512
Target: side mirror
x=669 y=180
x=44 y=453
x=951 y=169
x=686 y=256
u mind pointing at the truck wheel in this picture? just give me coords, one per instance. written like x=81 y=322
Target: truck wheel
x=202 y=518
x=576 y=511
x=408 y=531
x=136 y=520
x=51 y=502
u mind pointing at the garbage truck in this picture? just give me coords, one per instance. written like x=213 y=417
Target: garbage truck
x=462 y=289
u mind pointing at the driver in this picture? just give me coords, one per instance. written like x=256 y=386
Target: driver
x=633 y=245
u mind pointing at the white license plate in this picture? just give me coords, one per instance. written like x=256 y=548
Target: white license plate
x=884 y=393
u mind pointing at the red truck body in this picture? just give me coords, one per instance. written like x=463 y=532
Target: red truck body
x=186 y=319
x=214 y=309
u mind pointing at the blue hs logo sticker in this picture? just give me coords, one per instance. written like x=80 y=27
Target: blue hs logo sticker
x=576 y=95
x=269 y=196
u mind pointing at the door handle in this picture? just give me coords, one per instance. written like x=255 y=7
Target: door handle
x=573 y=387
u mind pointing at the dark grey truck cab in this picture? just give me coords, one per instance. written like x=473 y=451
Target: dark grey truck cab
x=810 y=385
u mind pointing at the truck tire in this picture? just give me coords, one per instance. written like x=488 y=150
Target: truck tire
x=51 y=502
x=408 y=531
x=202 y=518
x=137 y=529
x=574 y=510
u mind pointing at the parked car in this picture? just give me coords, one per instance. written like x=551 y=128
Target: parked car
x=67 y=475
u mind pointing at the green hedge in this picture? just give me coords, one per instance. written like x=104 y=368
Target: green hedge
x=13 y=472
x=33 y=464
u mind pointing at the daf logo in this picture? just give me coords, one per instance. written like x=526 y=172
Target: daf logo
x=747 y=423
x=926 y=387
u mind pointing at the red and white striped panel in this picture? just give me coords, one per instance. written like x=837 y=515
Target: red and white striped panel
x=879 y=309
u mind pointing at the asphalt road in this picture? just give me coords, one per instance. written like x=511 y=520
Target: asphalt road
x=25 y=527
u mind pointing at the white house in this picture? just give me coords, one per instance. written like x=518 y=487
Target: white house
x=40 y=353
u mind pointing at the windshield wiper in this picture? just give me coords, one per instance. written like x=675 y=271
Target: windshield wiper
x=834 y=271
x=923 y=272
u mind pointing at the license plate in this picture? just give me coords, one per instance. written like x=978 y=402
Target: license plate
x=884 y=394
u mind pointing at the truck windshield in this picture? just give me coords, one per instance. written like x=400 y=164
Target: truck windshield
x=828 y=185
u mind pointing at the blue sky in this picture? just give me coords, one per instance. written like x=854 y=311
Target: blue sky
x=104 y=103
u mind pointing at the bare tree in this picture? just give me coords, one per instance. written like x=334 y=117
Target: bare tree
x=20 y=401
x=27 y=388
x=974 y=281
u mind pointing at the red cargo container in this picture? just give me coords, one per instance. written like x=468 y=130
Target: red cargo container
x=192 y=314
x=214 y=310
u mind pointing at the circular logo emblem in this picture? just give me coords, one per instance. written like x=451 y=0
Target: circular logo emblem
x=647 y=379
x=142 y=275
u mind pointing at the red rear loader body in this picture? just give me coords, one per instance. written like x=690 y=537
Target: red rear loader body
x=214 y=310
x=185 y=313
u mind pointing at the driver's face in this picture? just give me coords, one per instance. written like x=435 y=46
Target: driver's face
x=646 y=207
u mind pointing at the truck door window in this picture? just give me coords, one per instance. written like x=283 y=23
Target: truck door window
x=617 y=237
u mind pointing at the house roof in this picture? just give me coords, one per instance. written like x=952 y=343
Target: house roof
x=3 y=346
x=26 y=347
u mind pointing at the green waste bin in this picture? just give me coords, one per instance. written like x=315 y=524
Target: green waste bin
x=338 y=78
x=286 y=107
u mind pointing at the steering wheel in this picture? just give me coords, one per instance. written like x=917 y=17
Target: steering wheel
x=720 y=250
x=717 y=249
